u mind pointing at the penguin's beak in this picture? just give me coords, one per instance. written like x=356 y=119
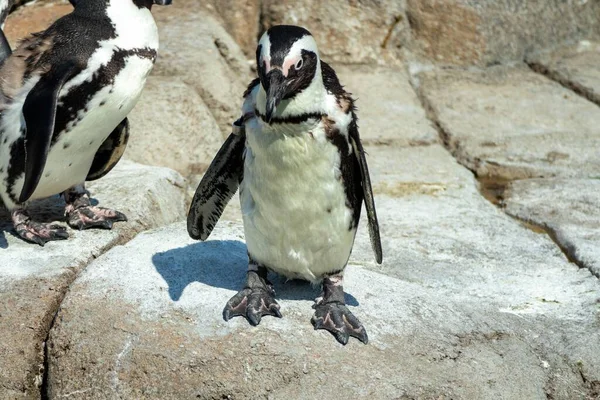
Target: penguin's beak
x=163 y=2
x=275 y=88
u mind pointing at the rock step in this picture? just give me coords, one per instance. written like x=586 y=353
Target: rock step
x=33 y=280
x=468 y=304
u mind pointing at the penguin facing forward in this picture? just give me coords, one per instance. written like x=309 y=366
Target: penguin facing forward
x=65 y=94
x=297 y=158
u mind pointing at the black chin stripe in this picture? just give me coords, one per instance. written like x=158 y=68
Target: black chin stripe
x=292 y=119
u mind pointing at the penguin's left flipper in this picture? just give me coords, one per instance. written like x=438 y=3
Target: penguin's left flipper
x=39 y=112
x=110 y=152
x=367 y=192
x=219 y=184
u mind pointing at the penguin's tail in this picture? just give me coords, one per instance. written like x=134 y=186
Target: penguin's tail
x=5 y=50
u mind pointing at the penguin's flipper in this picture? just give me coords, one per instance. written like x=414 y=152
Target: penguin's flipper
x=39 y=112
x=219 y=184
x=111 y=151
x=5 y=50
x=367 y=191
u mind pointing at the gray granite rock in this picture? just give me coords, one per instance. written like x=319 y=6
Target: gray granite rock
x=510 y=123
x=172 y=127
x=488 y=32
x=195 y=47
x=568 y=208
x=468 y=304
x=33 y=280
x=574 y=66
x=388 y=108
x=241 y=18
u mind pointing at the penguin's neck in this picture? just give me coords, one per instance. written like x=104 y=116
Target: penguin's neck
x=133 y=25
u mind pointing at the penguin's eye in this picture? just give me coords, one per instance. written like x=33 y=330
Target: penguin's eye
x=299 y=64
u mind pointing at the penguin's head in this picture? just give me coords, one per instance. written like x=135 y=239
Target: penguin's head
x=287 y=59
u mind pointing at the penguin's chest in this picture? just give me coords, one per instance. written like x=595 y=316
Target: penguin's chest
x=71 y=155
x=294 y=206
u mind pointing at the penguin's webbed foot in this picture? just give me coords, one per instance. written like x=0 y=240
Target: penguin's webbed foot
x=339 y=320
x=331 y=313
x=82 y=215
x=37 y=232
x=254 y=301
x=93 y=217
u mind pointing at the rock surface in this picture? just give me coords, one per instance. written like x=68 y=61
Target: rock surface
x=196 y=49
x=575 y=67
x=483 y=33
x=468 y=304
x=388 y=108
x=34 y=18
x=172 y=127
x=242 y=20
x=33 y=279
x=570 y=209
x=509 y=123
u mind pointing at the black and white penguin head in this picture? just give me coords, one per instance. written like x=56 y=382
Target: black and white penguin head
x=288 y=60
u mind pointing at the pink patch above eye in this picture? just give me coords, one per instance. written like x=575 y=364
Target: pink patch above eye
x=290 y=63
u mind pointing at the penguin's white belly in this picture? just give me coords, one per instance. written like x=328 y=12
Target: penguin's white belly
x=293 y=202
x=70 y=158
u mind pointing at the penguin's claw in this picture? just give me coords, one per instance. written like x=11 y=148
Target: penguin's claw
x=337 y=319
x=252 y=304
x=40 y=233
x=93 y=217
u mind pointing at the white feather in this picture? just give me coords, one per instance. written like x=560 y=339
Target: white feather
x=293 y=201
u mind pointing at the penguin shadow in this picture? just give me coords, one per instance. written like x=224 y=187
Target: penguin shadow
x=222 y=264
x=47 y=210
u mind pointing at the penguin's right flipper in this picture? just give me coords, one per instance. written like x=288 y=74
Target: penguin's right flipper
x=110 y=152
x=39 y=112
x=219 y=184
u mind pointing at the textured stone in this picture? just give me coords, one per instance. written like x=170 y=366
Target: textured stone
x=575 y=67
x=487 y=32
x=468 y=304
x=241 y=19
x=172 y=127
x=33 y=18
x=198 y=50
x=510 y=123
x=388 y=108
x=570 y=209
x=33 y=279
x=357 y=32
